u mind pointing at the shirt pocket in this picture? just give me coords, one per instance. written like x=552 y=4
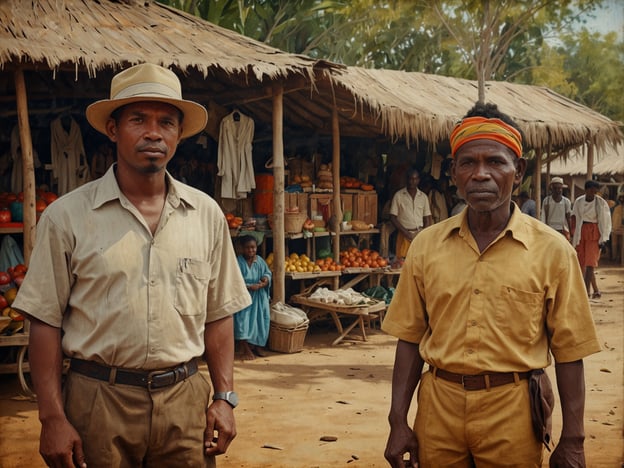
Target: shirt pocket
x=191 y=286
x=519 y=314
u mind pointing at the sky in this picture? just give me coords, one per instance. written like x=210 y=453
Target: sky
x=609 y=18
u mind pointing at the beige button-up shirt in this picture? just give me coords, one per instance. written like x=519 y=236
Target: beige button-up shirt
x=410 y=211
x=122 y=296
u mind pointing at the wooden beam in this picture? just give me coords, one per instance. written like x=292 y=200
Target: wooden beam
x=337 y=209
x=28 y=165
x=279 y=238
x=538 y=182
x=590 y=159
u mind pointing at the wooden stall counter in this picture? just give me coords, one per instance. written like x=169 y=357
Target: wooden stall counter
x=373 y=309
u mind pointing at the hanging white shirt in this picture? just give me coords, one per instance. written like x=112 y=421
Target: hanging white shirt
x=69 y=161
x=234 y=157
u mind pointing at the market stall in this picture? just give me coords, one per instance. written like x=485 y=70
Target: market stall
x=59 y=66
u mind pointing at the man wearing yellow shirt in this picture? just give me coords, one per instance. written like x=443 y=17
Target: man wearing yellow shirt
x=483 y=299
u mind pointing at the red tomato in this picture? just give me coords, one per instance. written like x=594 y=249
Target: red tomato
x=5 y=216
x=40 y=205
x=18 y=280
x=3 y=302
x=5 y=278
x=49 y=197
x=19 y=269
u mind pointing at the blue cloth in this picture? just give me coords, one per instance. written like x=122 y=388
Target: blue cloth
x=252 y=323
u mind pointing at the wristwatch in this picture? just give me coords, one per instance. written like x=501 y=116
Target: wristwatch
x=230 y=397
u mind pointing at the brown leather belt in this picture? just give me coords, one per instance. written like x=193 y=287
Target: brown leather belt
x=147 y=379
x=482 y=381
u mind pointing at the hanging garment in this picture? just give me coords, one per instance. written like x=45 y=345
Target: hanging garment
x=69 y=162
x=17 y=172
x=234 y=158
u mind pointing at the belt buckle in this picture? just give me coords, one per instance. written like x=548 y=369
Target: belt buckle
x=463 y=381
x=155 y=374
x=470 y=382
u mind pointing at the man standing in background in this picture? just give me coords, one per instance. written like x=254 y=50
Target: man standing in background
x=591 y=229
x=556 y=209
x=409 y=212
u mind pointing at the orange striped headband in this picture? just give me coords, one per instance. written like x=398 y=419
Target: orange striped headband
x=481 y=128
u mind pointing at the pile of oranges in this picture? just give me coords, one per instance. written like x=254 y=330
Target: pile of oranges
x=328 y=264
x=10 y=281
x=365 y=258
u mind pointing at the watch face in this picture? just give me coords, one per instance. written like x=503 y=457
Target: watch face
x=232 y=398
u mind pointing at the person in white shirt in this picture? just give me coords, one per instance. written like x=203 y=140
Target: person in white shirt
x=557 y=209
x=591 y=221
x=409 y=212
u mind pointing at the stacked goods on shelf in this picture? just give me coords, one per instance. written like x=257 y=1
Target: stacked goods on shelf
x=324 y=177
x=11 y=321
x=365 y=258
x=301 y=172
x=301 y=263
x=12 y=205
x=234 y=222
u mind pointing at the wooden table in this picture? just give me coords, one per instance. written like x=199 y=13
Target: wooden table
x=375 y=310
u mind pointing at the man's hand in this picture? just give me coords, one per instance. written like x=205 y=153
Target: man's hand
x=219 y=419
x=568 y=454
x=401 y=440
x=60 y=445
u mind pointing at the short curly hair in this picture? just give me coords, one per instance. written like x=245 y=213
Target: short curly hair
x=491 y=111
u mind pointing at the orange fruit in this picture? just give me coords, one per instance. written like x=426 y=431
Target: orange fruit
x=10 y=294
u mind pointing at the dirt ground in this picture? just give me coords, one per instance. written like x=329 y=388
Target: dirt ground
x=290 y=401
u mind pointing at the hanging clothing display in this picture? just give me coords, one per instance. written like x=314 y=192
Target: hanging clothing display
x=69 y=162
x=235 y=163
x=17 y=172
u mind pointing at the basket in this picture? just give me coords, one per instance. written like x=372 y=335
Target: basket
x=293 y=222
x=287 y=340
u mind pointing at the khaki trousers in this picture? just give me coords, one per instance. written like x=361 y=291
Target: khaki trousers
x=128 y=426
x=459 y=428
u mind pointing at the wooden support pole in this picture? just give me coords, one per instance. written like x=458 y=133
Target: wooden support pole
x=590 y=159
x=337 y=208
x=279 y=237
x=537 y=195
x=28 y=165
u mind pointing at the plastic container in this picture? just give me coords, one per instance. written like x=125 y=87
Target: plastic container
x=263 y=194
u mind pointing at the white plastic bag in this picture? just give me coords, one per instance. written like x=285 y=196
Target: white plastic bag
x=287 y=316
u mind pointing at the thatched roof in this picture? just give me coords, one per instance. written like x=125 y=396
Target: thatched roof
x=95 y=35
x=421 y=106
x=609 y=164
x=71 y=48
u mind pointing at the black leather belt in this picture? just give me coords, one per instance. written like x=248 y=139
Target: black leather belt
x=481 y=381
x=147 y=379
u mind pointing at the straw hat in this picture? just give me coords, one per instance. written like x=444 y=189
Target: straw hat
x=147 y=82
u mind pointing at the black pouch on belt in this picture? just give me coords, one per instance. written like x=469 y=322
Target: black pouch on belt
x=542 y=403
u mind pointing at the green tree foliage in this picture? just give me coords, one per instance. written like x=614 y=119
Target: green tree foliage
x=505 y=40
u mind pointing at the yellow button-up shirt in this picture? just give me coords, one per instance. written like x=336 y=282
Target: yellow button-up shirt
x=499 y=310
x=122 y=296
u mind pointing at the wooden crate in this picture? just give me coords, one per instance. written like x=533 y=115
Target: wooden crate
x=296 y=200
x=318 y=199
x=365 y=207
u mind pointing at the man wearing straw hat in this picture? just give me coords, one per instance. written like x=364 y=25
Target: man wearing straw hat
x=133 y=278
x=557 y=209
x=484 y=298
